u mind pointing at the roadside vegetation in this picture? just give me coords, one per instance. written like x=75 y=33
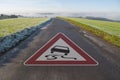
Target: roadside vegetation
x=10 y=26
x=3 y=16
x=13 y=31
x=109 y=31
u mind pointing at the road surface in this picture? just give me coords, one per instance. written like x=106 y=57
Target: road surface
x=13 y=69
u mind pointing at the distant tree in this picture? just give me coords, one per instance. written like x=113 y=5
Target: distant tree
x=98 y=18
x=3 y=16
x=13 y=16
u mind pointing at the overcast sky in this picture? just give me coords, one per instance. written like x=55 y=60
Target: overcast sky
x=65 y=6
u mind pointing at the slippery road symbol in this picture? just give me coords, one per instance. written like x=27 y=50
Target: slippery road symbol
x=60 y=49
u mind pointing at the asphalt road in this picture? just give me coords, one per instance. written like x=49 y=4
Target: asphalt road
x=13 y=69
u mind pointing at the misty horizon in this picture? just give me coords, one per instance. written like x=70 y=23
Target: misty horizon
x=97 y=8
x=113 y=16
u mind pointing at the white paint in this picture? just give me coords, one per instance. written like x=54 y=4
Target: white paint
x=72 y=53
x=44 y=28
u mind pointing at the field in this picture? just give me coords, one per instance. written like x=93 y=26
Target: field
x=109 y=31
x=10 y=26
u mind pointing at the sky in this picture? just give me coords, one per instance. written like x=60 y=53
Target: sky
x=59 y=6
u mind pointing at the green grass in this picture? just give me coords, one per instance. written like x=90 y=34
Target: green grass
x=109 y=31
x=10 y=26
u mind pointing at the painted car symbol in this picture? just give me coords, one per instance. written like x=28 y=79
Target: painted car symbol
x=61 y=49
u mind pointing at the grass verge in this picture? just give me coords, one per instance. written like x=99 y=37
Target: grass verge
x=10 y=26
x=104 y=35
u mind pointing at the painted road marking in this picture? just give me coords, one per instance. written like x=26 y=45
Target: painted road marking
x=60 y=51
